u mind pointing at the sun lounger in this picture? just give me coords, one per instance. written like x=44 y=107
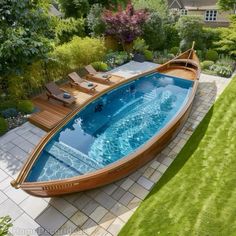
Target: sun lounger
x=81 y=84
x=97 y=76
x=53 y=91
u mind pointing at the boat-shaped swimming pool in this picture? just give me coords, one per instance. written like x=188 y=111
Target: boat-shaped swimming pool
x=112 y=127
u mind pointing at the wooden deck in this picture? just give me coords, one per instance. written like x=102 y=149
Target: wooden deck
x=52 y=112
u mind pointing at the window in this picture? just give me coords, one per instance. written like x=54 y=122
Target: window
x=183 y=12
x=211 y=15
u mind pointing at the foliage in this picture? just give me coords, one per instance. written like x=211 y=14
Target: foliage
x=153 y=32
x=67 y=28
x=148 y=55
x=227 y=43
x=9 y=112
x=174 y=50
x=24 y=34
x=196 y=194
x=117 y=58
x=100 y=66
x=124 y=25
x=4 y=104
x=74 y=8
x=211 y=55
x=211 y=35
x=190 y=29
x=94 y=20
x=79 y=52
x=206 y=64
x=162 y=57
x=171 y=35
x=140 y=45
x=158 y=6
x=25 y=106
x=4 y=226
x=227 y=4
x=222 y=70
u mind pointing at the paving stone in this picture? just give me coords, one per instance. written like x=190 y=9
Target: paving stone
x=34 y=139
x=126 y=198
x=156 y=176
x=138 y=191
x=3 y=197
x=63 y=206
x=125 y=216
x=105 y=200
x=67 y=229
x=107 y=220
x=115 y=227
x=167 y=161
x=3 y=175
x=79 y=218
x=82 y=201
x=134 y=203
x=34 y=206
x=144 y=182
x=110 y=188
x=19 y=153
x=8 y=207
x=5 y=183
x=98 y=213
x=119 y=209
x=51 y=219
x=127 y=184
x=162 y=168
x=7 y=146
x=148 y=172
x=99 y=231
x=78 y=232
x=155 y=164
x=24 y=226
x=119 y=192
x=90 y=207
x=17 y=195
x=89 y=227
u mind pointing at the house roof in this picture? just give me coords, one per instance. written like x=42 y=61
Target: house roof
x=193 y=4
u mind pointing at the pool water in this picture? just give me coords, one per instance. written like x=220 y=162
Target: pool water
x=112 y=127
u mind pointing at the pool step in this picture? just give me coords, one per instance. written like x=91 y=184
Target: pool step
x=150 y=96
x=59 y=152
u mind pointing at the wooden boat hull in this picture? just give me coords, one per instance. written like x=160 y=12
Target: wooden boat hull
x=127 y=165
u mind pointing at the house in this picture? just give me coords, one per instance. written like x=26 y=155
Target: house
x=207 y=9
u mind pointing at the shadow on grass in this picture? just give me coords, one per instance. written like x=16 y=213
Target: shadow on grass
x=190 y=146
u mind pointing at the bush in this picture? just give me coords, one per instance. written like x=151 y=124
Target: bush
x=221 y=70
x=94 y=20
x=117 y=58
x=67 y=28
x=207 y=64
x=148 y=55
x=79 y=52
x=10 y=112
x=139 y=45
x=211 y=55
x=3 y=130
x=25 y=106
x=153 y=32
x=163 y=57
x=7 y=104
x=174 y=50
x=100 y=66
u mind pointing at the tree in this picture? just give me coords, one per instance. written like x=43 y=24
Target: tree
x=124 y=25
x=227 y=5
x=74 y=8
x=227 y=44
x=159 y=6
x=190 y=29
x=24 y=34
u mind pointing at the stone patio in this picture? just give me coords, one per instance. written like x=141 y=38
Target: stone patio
x=100 y=212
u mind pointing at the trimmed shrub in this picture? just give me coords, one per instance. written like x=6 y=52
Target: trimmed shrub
x=66 y=29
x=25 y=106
x=100 y=66
x=174 y=50
x=148 y=55
x=211 y=55
x=140 y=45
x=10 y=112
x=3 y=126
x=207 y=64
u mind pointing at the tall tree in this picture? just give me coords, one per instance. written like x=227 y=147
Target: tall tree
x=24 y=34
x=227 y=5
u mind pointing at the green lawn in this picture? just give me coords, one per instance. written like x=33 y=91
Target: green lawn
x=197 y=194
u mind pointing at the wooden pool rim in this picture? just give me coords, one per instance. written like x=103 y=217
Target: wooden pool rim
x=122 y=167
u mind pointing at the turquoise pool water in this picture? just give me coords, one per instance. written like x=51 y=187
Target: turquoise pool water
x=112 y=127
